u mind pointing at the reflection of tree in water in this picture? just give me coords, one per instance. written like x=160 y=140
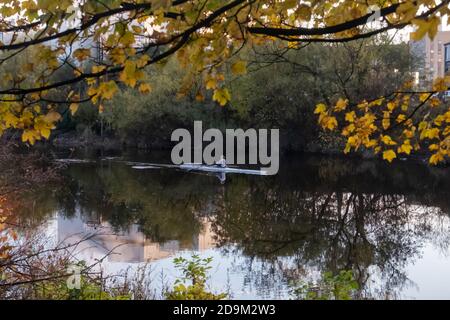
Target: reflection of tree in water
x=166 y=206
x=333 y=219
x=324 y=215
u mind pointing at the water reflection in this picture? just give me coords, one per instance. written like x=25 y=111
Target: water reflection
x=99 y=239
x=319 y=214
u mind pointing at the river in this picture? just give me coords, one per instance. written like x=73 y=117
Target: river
x=266 y=234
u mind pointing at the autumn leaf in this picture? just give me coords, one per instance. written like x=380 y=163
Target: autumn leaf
x=211 y=84
x=433 y=147
x=29 y=136
x=329 y=123
x=239 y=67
x=45 y=132
x=387 y=140
x=222 y=96
x=341 y=105
x=389 y=155
x=424 y=97
x=145 y=88
x=386 y=123
x=436 y=158
x=130 y=74
x=350 y=116
x=52 y=116
x=73 y=108
x=405 y=148
x=391 y=105
x=320 y=108
x=425 y=26
x=81 y=54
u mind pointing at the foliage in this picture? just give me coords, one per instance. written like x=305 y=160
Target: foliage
x=148 y=120
x=107 y=44
x=91 y=288
x=259 y=99
x=341 y=286
x=390 y=125
x=194 y=270
x=283 y=87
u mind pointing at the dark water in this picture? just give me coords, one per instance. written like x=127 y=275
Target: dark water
x=388 y=223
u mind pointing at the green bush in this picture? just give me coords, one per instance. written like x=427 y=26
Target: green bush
x=195 y=271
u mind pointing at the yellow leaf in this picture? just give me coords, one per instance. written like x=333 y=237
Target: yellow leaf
x=430 y=133
x=288 y=4
x=350 y=116
x=423 y=125
x=391 y=105
x=341 y=105
x=386 y=123
x=424 y=26
x=387 y=140
x=389 y=155
x=52 y=116
x=433 y=147
x=436 y=158
x=45 y=132
x=329 y=123
x=142 y=61
x=106 y=90
x=10 y=120
x=29 y=135
x=435 y=102
x=405 y=148
x=73 y=108
x=129 y=75
x=407 y=10
x=222 y=96
x=81 y=54
x=348 y=129
x=424 y=97
x=127 y=39
x=320 y=108
x=97 y=69
x=211 y=84
x=239 y=67
x=401 y=118
x=377 y=102
x=145 y=88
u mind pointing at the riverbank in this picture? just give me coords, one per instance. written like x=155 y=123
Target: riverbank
x=323 y=145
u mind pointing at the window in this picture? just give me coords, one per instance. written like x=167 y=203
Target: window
x=447 y=57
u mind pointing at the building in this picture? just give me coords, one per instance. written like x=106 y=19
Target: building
x=433 y=57
x=98 y=240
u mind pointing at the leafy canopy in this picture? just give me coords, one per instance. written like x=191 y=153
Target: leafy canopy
x=107 y=43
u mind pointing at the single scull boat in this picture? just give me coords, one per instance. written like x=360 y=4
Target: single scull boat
x=219 y=169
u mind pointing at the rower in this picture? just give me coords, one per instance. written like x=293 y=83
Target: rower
x=222 y=162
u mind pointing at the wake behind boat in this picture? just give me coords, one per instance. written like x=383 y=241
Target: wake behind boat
x=197 y=167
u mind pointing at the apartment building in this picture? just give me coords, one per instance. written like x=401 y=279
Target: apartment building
x=433 y=56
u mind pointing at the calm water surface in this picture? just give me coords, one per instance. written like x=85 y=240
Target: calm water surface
x=388 y=223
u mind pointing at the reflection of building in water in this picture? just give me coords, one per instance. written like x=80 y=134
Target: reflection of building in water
x=125 y=246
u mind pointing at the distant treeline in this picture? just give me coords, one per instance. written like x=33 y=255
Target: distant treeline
x=279 y=90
